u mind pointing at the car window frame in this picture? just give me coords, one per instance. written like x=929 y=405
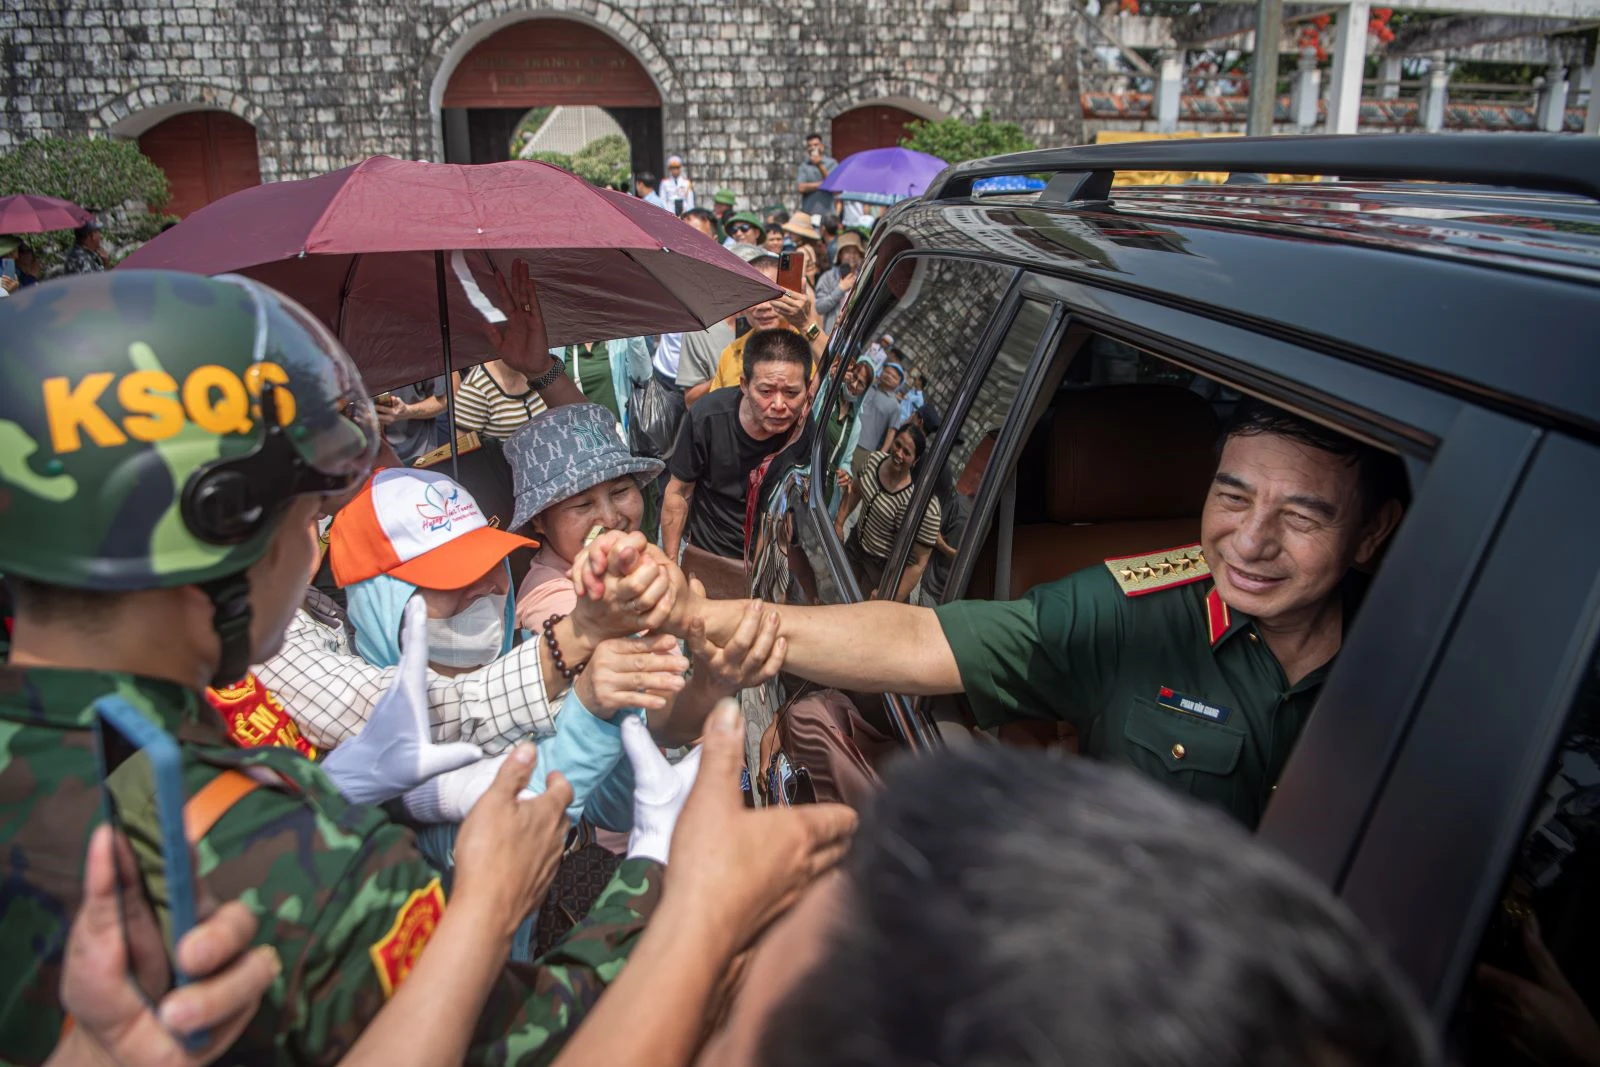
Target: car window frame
x=1319 y=831
x=943 y=443
x=972 y=380
x=1424 y=891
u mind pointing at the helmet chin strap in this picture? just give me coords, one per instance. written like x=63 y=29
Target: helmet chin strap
x=230 y=603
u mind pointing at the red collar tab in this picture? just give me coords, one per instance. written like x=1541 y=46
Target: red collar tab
x=1218 y=617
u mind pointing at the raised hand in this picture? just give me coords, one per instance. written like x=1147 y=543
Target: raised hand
x=395 y=752
x=510 y=845
x=745 y=867
x=227 y=977
x=632 y=672
x=753 y=655
x=624 y=585
x=660 y=790
x=522 y=343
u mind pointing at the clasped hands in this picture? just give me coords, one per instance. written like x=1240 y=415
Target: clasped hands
x=626 y=585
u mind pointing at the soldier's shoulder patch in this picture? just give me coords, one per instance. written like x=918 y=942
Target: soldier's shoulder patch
x=467 y=442
x=1154 y=571
x=397 y=951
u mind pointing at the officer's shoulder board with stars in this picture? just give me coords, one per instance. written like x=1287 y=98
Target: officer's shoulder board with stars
x=1155 y=571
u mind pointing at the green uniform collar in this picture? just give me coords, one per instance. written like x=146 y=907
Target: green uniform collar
x=58 y=697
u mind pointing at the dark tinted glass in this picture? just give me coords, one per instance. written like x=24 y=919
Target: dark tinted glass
x=1533 y=993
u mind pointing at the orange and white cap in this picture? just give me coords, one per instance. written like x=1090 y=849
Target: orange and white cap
x=419 y=526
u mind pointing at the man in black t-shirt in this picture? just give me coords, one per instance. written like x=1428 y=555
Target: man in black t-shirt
x=725 y=437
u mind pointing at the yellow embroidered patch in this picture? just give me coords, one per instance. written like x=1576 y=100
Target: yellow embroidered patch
x=396 y=953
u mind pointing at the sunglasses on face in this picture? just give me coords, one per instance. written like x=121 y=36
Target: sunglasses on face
x=741 y=229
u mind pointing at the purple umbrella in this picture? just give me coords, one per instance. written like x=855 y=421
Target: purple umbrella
x=896 y=172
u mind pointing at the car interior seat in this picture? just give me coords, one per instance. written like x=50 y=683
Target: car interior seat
x=1126 y=471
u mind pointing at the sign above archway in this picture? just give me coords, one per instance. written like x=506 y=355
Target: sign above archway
x=550 y=61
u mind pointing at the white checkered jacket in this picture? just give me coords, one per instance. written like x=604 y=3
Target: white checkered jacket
x=330 y=691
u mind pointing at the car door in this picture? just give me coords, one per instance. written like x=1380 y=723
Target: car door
x=1465 y=464
x=1490 y=813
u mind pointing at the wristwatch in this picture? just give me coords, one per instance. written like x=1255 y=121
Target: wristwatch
x=548 y=378
x=812 y=331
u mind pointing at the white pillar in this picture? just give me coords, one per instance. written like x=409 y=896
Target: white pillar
x=1307 y=91
x=1435 y=95
x=1169 y=91
x=1389 y=70
x=1552 y=108
x=1349 y=65
x=1591 y=119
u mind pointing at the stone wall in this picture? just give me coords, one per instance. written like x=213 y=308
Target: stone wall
x=327 y=82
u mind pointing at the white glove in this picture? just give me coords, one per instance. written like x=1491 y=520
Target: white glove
x=394 y=752
x=449 y=797
x=659 y=790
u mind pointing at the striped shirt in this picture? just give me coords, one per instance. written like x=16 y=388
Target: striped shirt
x=483 y=406
x=883 y=511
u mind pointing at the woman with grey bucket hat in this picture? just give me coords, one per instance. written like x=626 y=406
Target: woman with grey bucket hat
x=571 y=473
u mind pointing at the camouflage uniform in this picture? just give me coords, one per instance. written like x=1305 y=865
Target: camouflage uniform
x=338 y=890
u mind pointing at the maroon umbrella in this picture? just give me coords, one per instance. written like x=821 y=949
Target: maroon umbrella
x=403 y=259
x=26 y=213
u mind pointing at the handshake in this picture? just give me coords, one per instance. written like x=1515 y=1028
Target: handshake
x=627 y=585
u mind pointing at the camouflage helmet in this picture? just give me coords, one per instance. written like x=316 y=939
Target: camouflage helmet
x=153 y=425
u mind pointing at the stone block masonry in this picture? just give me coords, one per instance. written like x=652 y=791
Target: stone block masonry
x=328 y=82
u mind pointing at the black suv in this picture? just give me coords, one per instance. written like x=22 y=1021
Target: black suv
x=1441 y=300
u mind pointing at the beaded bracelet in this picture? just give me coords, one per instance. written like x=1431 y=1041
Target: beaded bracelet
x=567 y=673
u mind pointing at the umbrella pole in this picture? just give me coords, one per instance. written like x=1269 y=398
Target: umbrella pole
x=344 y=294
x=449 y=369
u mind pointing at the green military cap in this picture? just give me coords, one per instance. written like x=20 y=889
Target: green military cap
x=725 y=196
x=8 y=245
x=746 y=217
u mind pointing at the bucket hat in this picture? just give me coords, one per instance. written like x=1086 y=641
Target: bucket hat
x=419 y=526
x=800 y=226
x=566 y=450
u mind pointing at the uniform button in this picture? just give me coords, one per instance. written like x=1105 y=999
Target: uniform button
x=1253 y=637
x=1178 y=751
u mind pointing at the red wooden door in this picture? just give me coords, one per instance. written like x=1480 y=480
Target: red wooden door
x=873 y=126
x=205 y=154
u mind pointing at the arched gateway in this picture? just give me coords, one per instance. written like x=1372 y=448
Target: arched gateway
x=547 y=61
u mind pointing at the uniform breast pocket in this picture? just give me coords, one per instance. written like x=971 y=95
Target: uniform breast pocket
x=1185 y=750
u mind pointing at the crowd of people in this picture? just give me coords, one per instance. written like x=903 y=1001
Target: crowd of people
x=457 y=708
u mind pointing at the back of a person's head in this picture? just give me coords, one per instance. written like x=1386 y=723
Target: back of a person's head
x=1006 y=907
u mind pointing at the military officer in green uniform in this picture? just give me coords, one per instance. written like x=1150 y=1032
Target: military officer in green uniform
x=166 y=442
x=1198 y=666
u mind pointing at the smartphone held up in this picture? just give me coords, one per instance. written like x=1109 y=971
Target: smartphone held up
x=792 y=271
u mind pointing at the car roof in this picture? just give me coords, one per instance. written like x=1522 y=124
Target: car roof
x=1484 y=290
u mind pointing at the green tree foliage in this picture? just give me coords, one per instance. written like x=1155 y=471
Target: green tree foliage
x=98 y=173
x=606 y=162
x=955 y=141
x=560 y=159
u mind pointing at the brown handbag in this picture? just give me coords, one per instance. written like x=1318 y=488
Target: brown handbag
x=724 y=578
x=823 y=735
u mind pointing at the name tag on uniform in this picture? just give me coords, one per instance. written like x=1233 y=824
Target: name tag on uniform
x=1190 y=706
